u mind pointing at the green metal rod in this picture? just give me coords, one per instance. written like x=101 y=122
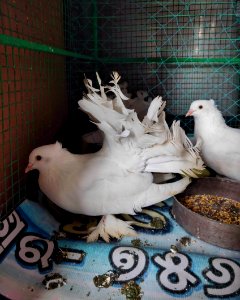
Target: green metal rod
x=19 y=43
x=15 y=42
x=189 y=3
x=163 y=16
x=200 y=60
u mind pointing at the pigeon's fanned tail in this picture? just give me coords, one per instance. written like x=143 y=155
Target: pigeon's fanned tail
x=152 y=137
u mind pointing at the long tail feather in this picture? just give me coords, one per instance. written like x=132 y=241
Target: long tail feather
x=164 y=149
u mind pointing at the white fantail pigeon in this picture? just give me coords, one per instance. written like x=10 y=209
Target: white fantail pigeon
x=218 y=143
x=117 y=179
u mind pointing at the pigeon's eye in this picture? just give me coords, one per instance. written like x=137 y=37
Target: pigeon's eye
x=38 y=157
x=200 y=106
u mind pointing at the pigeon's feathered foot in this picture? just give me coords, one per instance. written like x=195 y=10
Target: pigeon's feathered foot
x=110 y=226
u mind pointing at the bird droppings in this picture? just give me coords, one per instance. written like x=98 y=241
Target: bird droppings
x=173 y=249
x=68 y=255
x=53 y=281
x=137 y=243
x=31 y=289
x=105 y=280
x=146 y=243
x=132 y=291
x=217 y=208
x=157 y=223
x=88 y=294
x=60 y=256
x=59 y=235
x=185 y=241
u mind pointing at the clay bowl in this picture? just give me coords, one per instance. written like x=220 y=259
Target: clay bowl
x=204 y=228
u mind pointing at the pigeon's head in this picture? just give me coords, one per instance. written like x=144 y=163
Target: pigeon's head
x=200 y=107
x=40 y=157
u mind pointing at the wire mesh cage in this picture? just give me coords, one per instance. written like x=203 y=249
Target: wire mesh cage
x=182 y=50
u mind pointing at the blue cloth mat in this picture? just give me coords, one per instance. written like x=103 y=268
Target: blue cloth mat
x=32 y=243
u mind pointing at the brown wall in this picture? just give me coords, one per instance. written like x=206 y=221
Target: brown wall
x=32 y=90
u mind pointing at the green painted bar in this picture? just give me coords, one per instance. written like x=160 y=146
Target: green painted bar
x=160 y=16
x=172 y=2
x=15 y=42
x=19 y=43
x=232 y=61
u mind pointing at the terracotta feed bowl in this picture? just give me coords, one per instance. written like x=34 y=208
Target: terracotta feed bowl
x=205 y=228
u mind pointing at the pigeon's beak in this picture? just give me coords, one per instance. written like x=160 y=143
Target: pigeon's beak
x=29 y=167
x=189 y=113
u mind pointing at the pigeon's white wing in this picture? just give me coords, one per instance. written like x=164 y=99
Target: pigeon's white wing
x=224 y=162
x=117 y=195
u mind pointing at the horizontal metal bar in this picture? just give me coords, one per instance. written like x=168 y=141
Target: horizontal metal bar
x=166 y=26
x=157 y=16
x=172 y=2
x=187 y=38
x=201 y=60
x=20 y=43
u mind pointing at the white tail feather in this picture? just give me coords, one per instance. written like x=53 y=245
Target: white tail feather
x=171 y=147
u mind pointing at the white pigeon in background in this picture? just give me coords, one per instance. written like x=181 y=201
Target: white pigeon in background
x=139 y=104
x=117 y=179
x=124 y=89
x=219 y=144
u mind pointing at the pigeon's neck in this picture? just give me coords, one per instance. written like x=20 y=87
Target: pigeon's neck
x=207 y=126
x=212 y=119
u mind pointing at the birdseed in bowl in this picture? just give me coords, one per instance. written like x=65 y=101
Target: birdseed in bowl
x=217 y=208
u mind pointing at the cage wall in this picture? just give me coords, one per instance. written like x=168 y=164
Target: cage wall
x=32 y=88
x=182 y=50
